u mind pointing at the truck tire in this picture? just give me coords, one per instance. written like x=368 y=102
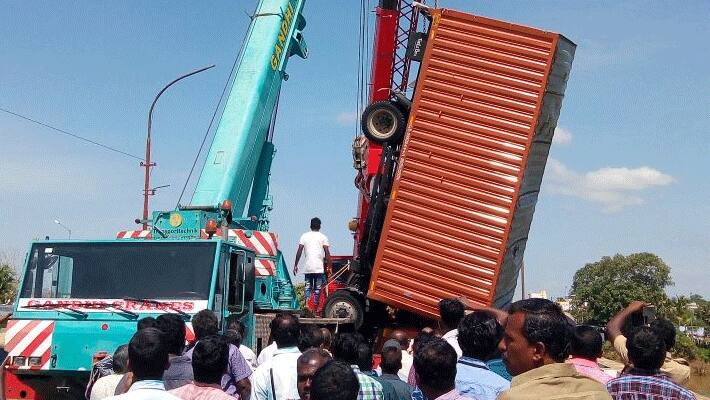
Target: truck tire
x=383 y=122
x=344 y=304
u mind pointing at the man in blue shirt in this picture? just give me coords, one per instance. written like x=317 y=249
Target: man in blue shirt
x=478 y=336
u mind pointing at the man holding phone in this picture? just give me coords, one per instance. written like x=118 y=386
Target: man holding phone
x=640 y=313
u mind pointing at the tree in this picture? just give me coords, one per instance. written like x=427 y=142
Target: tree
x=603 y=288
x=8 y=283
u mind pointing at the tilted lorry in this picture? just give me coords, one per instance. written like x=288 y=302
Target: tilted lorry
x=450 y=176
x=79 y=300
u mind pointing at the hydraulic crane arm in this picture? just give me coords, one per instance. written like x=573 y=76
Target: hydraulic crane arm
x=239 y=159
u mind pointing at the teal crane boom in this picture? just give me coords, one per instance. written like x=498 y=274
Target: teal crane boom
x=238 y=164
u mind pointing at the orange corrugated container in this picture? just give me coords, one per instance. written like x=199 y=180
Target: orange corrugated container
x=485 y=108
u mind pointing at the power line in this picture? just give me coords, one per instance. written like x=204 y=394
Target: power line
x=71 y=134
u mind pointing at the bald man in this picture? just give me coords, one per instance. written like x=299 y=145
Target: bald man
x=308 y=363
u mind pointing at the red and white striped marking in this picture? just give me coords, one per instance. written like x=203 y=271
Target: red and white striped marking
x=142 y=234
x=264 y=267
x=262 y=243
x=189 y=333
x=29 y=338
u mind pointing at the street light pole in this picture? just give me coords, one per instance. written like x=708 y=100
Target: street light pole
x=56 y=221
x=147 y=164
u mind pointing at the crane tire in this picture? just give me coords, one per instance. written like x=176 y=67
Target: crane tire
x=344 y=304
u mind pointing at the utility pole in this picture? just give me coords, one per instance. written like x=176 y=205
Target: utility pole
x=147 y=164
x=56 y=221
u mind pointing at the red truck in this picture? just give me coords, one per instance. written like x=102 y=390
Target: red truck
x=446 y=210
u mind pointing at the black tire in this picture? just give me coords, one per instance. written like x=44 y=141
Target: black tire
x=383 y=122
x=344 y=304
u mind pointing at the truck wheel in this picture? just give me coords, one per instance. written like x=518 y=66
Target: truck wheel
x=343 y=304
x=383 y=122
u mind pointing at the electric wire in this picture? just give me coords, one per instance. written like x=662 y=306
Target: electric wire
x=62 y=131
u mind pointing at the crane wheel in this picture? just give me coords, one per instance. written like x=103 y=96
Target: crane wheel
x=383 y=122
x=344 y=304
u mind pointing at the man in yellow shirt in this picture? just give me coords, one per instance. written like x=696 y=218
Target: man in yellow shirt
x=677 y=370
x=534 y=347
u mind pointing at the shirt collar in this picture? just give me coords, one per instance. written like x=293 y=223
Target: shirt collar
x=147 y=384
x=583 y=362
x=474 y=362
x=286 y=350
x=553 y=370
x=451 y=334
x=644 y=372
x=355 y=368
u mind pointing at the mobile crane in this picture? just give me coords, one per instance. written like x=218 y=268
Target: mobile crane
x=449 y=175
x=79 y=300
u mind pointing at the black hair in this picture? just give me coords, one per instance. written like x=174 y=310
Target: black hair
x=391 y=360
x=119 y=361
x=209 y=359
x=334 y=381
x=451 y=312
x=327 y=337
x=205 y=323
x=479 y=334
x=315 y=224
x=364 y=357
x=647 y=349
x=310 y=337
x=233 y=337
x=234 y=323
x=344 y=347
x=285 y=329
x=422 y=338
x=147 y=322
x=666 y=330
x=435 y=365
x=173 y=327
x=586 y=342
x=147 y=354
x=545 y=323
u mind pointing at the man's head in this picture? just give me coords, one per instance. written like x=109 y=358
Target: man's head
x=334 y=381
x=364 y=357
x=119 y=360
x=401 y=337
x=315 y=224
x=173 y=326
x=209 y=360
x=327 y=337
x=537 y=333
x=147 y=355
x=311 y=337
x=205 y=323
x=479 y=335
x=147 y=322
x=344 y=347
x=422 y=338
x=647 y=349
x=451 y=312
x=236 y=324
x=391 y=361
x=308 y=363
x=435 y=368
x=666 y=330
x=586 y=343
x=285 y=330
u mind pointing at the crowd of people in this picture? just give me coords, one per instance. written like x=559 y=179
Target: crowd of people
x=530 y=351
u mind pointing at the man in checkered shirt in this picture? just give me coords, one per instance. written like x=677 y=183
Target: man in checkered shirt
x=647 y=351
x=344 y=348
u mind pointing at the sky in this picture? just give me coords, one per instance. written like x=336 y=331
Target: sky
x=627 y=172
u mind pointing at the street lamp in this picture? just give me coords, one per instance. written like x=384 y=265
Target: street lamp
x=56 y=221
x=147 y=164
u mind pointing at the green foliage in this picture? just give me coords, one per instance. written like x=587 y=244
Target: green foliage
x=603 y=288
x=300 y=289
x=8 y=283
x=685 y=348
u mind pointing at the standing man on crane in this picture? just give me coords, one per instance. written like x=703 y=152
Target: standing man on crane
x=317 y=260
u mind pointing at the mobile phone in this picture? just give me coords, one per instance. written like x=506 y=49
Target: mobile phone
x=649 y=314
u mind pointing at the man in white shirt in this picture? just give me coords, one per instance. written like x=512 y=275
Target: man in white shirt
x=451 y=312
x=315 y=248
x=147 y=360
x=277 y=378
